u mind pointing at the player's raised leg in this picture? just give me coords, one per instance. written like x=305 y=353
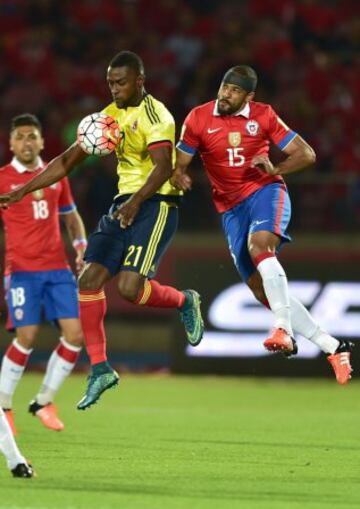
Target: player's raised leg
x=92 y=313
x=144 y=292
x=150 y=236
x=269 y=217
x=338 y=352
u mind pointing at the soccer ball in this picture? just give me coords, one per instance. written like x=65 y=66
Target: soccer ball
x=98 y=134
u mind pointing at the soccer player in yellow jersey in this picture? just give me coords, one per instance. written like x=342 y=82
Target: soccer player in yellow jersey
x=131 y=239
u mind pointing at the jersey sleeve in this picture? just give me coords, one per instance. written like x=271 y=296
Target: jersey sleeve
x=189 y=138
x=66 y=200
x=279 y=132
x=159 y=129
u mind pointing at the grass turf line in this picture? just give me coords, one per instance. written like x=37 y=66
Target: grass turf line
x=192 y=442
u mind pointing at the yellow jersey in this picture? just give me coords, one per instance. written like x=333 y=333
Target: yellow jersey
x=142 y=127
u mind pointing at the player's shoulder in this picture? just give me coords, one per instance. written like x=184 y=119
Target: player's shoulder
x=202 y=111
x=6 y=168
x=156 y=111
x=260 y=109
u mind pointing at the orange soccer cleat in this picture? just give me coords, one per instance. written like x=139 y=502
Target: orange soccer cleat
x=10 y=419
x=340 y=362
x=281 y=341
x=47 y=415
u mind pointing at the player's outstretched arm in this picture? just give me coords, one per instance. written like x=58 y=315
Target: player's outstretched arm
x=55 y=171
x=180 y=179
x=300 y=155
x=162 y=170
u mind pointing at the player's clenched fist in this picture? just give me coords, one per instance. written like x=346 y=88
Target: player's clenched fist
x=127 y=212
x=181 y=181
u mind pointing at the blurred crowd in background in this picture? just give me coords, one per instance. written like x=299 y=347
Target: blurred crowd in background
x=306 y=52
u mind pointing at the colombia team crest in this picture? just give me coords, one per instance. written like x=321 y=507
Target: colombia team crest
x=38 y=194
x=234 y=139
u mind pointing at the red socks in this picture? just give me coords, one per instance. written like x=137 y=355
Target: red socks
x=160 y=296
x=92 y=313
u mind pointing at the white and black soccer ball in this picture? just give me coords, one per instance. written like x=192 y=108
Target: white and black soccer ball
x=98 y=134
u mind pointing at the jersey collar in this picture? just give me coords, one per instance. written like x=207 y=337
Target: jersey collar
x=20 y=168
x=245 y=111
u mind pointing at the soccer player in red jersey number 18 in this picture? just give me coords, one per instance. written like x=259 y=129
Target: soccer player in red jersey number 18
x=232 y=135
x=38 y=280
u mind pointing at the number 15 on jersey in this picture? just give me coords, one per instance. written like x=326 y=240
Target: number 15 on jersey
x=235 y=156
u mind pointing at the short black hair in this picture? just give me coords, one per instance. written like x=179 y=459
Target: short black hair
x=128 y=59
x=25 y=119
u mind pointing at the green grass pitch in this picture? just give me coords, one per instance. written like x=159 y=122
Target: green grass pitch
x=159 y=442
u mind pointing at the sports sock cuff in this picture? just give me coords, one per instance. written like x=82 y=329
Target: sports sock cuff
x=259 y=258
x=17 y=356
x=87 y=296
x=144 y=293
x=69 y=346
x=22 y=349
x=67 y=354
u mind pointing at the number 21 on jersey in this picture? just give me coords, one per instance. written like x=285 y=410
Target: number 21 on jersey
x=235 y=156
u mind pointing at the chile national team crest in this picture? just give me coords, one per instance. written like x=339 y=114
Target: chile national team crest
x=234 y=139
x=252 y=127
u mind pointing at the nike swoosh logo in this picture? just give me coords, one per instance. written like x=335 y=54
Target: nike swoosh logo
x=210 y=131
x=260 y=222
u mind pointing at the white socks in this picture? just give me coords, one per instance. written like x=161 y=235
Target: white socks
x=12 y=368
x=59 y=367
x=276 y=290
x=304 y=324
x=8 y=445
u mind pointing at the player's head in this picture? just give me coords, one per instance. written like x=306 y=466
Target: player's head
x=26 y=141
x=125 y=77
x=237 y=88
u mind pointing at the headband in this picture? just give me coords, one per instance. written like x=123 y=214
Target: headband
x=247 y=83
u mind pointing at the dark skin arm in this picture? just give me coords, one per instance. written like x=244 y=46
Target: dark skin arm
x=180 y=179
x=162 y=160
x=300 y=155
x=55 y=171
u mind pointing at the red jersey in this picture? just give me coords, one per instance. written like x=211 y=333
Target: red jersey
x=227 y=144
x=33 y=240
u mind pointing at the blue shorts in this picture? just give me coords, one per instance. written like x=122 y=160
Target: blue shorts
x=32 y=296
x=139 y=247
x=267 y=209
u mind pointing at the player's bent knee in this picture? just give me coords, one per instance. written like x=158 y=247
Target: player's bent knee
x=128 y=289
x=128 y=293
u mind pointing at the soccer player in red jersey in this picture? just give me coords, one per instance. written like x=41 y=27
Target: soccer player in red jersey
x=232 y=135
x=38 y=280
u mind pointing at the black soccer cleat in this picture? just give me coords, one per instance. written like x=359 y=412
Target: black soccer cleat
x=23 y=470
